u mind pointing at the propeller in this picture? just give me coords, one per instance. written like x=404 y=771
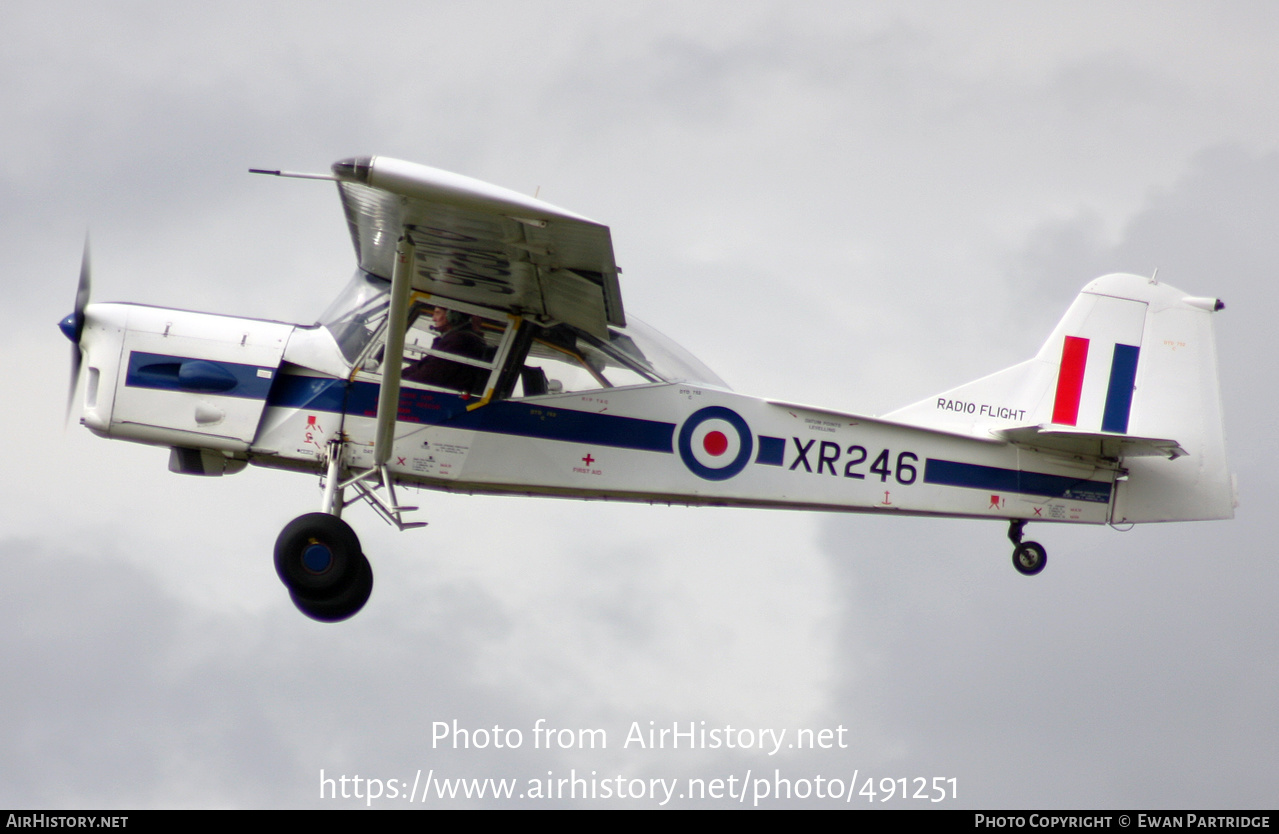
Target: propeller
x=73 y=325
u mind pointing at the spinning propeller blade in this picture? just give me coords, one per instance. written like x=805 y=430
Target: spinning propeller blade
x=73 y=325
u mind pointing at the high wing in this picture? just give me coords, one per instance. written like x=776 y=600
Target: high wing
x=481 y=244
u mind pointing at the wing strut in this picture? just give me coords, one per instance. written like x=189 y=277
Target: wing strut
x=388 y=398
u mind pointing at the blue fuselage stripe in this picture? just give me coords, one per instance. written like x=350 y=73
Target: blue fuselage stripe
x=197 y=376
x=573 y=426
x=309 y=392
x=772 y=451
x=439 y=408
x=975 y=476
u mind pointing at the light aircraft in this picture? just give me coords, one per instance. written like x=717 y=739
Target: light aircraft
x=540 y=384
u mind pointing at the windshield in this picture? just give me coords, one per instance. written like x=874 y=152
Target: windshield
x=355 y=316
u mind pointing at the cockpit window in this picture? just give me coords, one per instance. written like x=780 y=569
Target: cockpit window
x=448 y=349
x=358 y=313
x=563 y=359
x=547 y=360
x=667 y=359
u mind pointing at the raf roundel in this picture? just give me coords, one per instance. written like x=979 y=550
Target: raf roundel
x=715 y=443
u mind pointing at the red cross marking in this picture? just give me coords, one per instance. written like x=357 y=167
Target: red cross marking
x=588 y=460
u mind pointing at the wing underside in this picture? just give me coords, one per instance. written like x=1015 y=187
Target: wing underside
x=481 y=244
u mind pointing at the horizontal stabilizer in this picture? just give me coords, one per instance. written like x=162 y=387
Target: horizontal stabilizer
x=1092 y=444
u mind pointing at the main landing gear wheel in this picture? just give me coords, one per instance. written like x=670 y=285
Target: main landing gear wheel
x=343 y=606
x=1029 y=558
x=318 y=558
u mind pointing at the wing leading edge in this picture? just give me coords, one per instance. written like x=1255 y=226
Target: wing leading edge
x=481 y=244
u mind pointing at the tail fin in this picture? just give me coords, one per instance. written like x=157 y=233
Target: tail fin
x=1130 y=372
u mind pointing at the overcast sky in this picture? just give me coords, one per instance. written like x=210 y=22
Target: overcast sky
x=854 y=205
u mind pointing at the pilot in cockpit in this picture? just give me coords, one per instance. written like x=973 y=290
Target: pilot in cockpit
x=458 y=336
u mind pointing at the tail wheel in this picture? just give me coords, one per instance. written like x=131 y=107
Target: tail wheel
x=317 y=556
x=1029 y=558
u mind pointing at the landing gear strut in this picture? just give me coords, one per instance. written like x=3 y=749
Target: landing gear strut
x=318 y=555
x=1029 y=558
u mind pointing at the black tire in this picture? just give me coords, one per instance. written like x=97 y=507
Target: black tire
x=344 y=605
x=1029 y=558
x=317 y=556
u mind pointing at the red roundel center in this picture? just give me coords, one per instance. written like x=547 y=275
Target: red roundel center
x=715 y=443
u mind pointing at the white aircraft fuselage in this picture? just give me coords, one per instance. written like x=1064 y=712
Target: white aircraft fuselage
x=1117 y=419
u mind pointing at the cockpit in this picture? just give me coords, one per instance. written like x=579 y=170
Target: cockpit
x=510 y=356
